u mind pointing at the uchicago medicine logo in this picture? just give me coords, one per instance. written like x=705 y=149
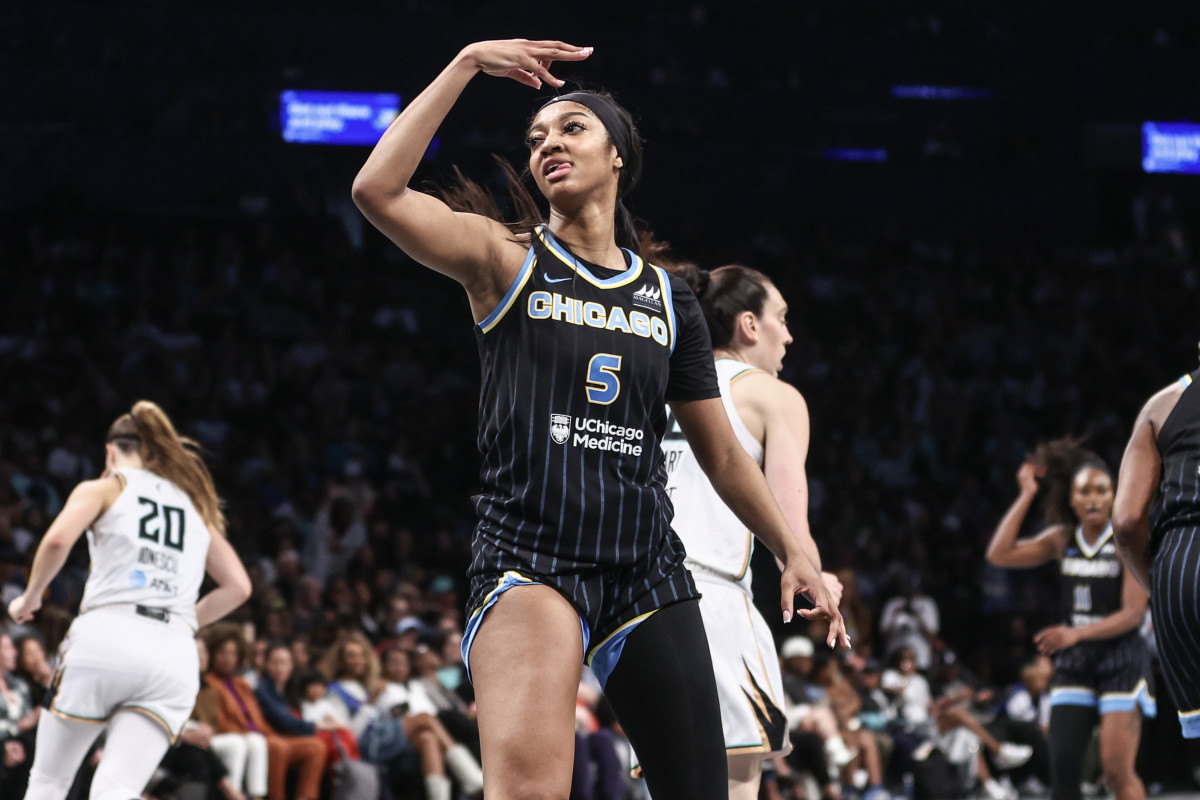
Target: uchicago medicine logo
x=560 y=427
x=596 y=434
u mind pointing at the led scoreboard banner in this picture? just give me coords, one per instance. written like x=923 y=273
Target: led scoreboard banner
x=1171 y=147
x=355 y=118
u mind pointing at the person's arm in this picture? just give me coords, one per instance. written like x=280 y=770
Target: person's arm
x=233 y=584
x=466 y=247
x=742 y=487
x=1134 y=601
x=1137 y=484
x=276 y=711
x=786 y=428
x=1004 y=550
x=87 y=502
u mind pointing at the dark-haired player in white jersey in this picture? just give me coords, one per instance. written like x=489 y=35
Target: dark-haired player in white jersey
x=1101 y=663
x=1162 y=460
x=747 y=321
x=129 y=662
x=581 y=344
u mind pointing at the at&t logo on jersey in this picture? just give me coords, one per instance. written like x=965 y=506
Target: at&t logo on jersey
x=648 y=297
x=596 y=434
x=137 y=579
x=560 y=428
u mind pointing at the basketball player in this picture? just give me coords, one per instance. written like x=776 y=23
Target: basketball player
x=747 y=321
x=1163 y=459
x=1101 y=663
x=128 y=661
x=581 y=343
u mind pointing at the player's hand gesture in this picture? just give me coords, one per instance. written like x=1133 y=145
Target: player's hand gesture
x=1055 y=638
x=22 y=608
x=524 y=61
x=834 y=586
x=1027 y=477
x=792 y=583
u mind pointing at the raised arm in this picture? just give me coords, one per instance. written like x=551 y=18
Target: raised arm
x=1137 y=484
x=477 y=252
x=233 y=584
x=1004 y=550
x=87 y=502
x=742 y=487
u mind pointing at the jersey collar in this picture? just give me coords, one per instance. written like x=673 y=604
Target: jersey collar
x=620 y=279
x=1090 y=550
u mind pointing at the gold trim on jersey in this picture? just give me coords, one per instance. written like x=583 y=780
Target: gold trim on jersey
x=510 y=297
x=761 y=661
x=744 y=373
x=521 y=579
x=554 y=246
x=174 y=737
x=607 y=639
x=746 y=560
x=58 y=712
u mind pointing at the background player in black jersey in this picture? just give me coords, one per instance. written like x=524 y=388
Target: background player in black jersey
x=1162 y=460
x=580 y=344
x=1101 y=663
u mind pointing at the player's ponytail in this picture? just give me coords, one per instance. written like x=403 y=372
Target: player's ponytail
x=148 y=431
x=725 y=293
x=1062 y=459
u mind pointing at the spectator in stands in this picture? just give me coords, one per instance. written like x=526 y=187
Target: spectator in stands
x=34 y=668
x=18 y=720
x=387 y=733
x=273 y=693
x=809 y=713
x=241 y=756
x=239 y=712
x=846 y=704
x=910 y=620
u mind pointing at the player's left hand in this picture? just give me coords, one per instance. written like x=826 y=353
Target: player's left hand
x=1053 y=639
x=791 y=584
x=22 y=608
x=834 y=586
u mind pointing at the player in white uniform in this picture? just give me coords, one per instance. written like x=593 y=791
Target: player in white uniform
x=746 y=318
x=154 y=528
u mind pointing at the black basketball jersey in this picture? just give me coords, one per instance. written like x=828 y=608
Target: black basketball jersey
x=577 y=362
x=1091 y=579
x=1179 y=445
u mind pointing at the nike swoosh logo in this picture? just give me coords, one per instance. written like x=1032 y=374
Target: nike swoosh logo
x=554 y=280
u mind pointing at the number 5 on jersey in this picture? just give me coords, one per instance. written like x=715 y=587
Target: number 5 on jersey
x=603 y=386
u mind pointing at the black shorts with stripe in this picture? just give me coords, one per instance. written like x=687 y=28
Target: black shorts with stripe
x=1175 y=599
x=609 y=597
x=1110 y=675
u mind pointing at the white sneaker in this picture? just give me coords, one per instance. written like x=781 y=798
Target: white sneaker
x=1032 y=787
x=1012 y=755
x=838 y=753
x=994 y=790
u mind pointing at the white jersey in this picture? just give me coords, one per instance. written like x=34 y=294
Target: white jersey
x=716 y=540
x=148 y=549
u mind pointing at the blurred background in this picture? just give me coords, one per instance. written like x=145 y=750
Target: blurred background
x=983 y=217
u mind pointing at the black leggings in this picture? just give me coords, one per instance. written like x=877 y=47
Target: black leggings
x=665 y=696
x=1070 y=734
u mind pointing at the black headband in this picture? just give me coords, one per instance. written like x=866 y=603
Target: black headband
x=619 y=133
